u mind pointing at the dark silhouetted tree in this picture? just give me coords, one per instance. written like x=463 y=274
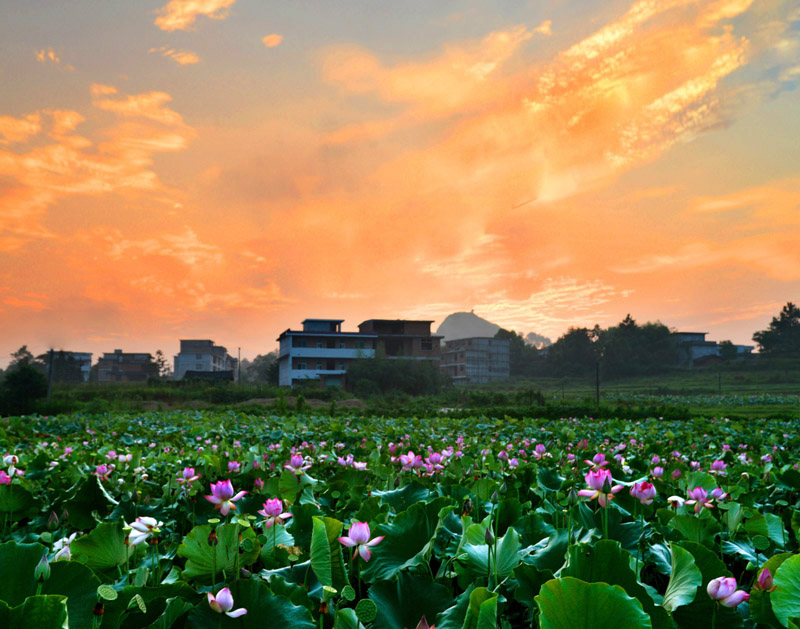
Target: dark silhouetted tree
x=782 y=338
x=21 y=389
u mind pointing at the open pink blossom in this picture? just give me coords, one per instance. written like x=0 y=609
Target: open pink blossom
x=723 y=589
x=699 y=498
x=222 y=603
x=411 y=461
x=359 y=540
x=600 y=486
x=597 y=461
x=273 y=511
x=644 y=492
x=5 y=479
x=222 y=495
x=297 y=464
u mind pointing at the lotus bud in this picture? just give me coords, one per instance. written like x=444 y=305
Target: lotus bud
x=52 y=521
x=42 y=571
x=489 y=537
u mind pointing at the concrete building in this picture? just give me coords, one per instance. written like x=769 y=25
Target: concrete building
x=202 y=356
x=119 y=366
x=695 y=350
x=84 y=359
x=476 y=360
x=321 y=352
x=402 y=338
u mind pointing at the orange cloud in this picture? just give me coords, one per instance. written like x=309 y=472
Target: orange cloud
x=270 y=41
x=45 y=172
x=181 y=14
x=181 y=57
x=19 y=129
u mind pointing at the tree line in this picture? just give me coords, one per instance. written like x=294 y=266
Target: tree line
x=629 y=348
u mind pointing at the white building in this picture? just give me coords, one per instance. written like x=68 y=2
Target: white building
x=321 y=351
x=203 y=356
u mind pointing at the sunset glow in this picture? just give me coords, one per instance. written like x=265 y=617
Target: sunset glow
x=225 y=169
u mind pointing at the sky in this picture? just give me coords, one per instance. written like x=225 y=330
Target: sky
x=224 y=169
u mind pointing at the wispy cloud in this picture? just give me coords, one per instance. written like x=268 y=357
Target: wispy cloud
x=182 y=57
x=181 y=14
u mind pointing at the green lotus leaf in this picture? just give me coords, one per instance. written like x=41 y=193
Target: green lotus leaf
x=327 y=560
x=16 y=502
x=696 y=614
x=402 y=602
x=407 y=539
x=482 y=610
x=608 y=562
x=569 y=603
x=203 y=559
x=786 y=597
x=103 y=549
x=264 y=609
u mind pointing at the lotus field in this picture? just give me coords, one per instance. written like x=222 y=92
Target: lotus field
x=221 y=519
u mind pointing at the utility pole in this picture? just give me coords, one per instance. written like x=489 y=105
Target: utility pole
x=597 y=383
x=49 y=372
x=239 y=366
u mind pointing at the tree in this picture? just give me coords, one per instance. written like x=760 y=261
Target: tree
x=782 y=338
x=574 y=353
x=261 y=369
x=727 y=350
x=162 y=364
x=523 y=358
x=374 y=376
x=65 y=368
x=21 y=389
x=22 y=358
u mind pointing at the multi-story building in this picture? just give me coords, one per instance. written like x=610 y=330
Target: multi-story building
x=401 y=338
x=119 y=366
x=203 y=357
x=476 y=360
x=84 y=359
x=321 y=351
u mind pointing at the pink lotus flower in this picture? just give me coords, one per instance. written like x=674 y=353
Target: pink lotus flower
x=699 y=498
x=223 y=602
x=411 y=461
x=258 y=483
x=540 y=452
x=297 y=464
x=234 y=466
x=187 y=476
x=103 y=471
x=598 y=461
x=273 y=511
x=359 y=538
x=5 y=479
x=718 y=467
x=600 y=483
x=644 y=492
x=223 y=497
x=723 y=589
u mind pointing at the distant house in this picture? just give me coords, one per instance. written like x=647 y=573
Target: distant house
x=696 y=351
x=202 y=356
x=476 y=360
x=321 y=352
x=403 y=338
x=119 y=366
x=84 y=359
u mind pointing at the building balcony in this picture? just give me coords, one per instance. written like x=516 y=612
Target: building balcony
x=324 y=352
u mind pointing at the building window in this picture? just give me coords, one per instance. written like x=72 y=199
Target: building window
x=198 y=366
x=359 y=344
x=426 y=344
x=319 y=344
x=342 y=345
x=319 y=367
x=298 y=342
x=198 y=357
x=302 y=366
x=341 y=367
